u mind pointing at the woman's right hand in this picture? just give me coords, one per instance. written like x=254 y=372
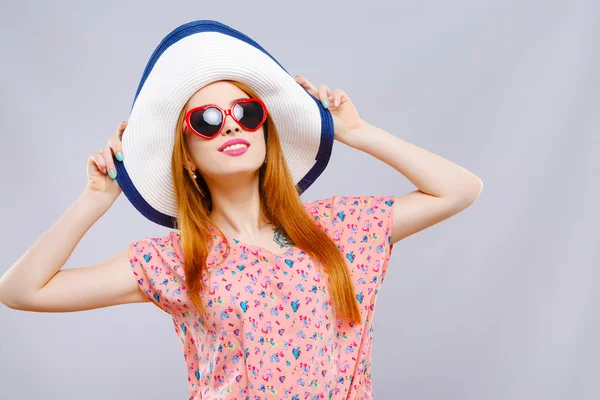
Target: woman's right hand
x=101 y=171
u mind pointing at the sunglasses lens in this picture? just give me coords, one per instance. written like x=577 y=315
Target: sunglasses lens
x=250 y=114
x=206 y=122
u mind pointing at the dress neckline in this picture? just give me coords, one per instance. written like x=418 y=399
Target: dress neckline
x=254 y=247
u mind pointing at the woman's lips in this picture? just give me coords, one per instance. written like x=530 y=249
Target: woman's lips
x=235 y=152
x=234 y=142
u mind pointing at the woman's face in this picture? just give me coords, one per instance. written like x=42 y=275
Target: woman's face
x=212 y=163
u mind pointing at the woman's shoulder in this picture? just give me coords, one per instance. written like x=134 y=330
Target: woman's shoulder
x=171 y=237
x=165 y=247
x=362 y=228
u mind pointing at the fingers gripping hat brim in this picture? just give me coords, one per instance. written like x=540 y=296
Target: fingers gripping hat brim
x=187 y=59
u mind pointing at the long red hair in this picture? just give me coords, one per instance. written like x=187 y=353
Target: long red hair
x=280 y=204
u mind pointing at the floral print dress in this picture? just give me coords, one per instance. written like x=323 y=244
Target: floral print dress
x=272 y=333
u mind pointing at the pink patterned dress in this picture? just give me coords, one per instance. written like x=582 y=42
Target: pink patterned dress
x=272 y=333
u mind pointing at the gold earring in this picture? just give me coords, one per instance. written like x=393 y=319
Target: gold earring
x=196 y=183
x=192 y=172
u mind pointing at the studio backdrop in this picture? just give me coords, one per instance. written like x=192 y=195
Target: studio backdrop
x=498 y=303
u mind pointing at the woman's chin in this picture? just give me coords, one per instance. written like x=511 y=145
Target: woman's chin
x=237 y=169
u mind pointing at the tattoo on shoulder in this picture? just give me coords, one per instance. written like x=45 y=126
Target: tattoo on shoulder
x=281 y=238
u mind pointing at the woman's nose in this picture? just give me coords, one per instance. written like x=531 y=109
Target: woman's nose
x=230 y=125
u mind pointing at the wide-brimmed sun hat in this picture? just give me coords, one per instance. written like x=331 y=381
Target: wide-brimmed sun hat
x=190 y=57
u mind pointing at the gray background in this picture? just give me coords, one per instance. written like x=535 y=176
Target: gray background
x=499 y=302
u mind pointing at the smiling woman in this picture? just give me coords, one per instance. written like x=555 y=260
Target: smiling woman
x=269 y=297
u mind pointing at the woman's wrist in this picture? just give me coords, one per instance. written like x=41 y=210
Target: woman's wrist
x=99 y=201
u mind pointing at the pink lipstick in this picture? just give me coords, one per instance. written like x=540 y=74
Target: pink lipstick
x=240 y=147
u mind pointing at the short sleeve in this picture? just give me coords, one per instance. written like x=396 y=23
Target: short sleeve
x=157 y=266
x=361 y=226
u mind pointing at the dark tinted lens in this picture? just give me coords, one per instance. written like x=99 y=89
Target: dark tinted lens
x=207 y=122
x=249 y=114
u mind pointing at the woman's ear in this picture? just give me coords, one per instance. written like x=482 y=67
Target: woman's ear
x=190 y=164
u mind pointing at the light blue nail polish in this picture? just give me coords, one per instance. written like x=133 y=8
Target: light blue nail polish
x=325 y=103
x=112 y=174
x=119 y=156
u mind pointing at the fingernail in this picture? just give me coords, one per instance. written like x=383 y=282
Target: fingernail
x=325 y=103
x=119 y=156
x=336 y=102
x=112 y=174
x=104 y=170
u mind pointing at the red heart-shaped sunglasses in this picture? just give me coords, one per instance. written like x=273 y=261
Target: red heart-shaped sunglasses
x=208 y=120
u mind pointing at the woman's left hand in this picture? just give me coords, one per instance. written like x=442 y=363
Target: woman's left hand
x=346 y=121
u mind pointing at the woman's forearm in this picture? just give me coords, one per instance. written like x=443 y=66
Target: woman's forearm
x=429 y=172
x=51 y=251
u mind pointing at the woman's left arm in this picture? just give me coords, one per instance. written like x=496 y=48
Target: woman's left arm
x=443 y=188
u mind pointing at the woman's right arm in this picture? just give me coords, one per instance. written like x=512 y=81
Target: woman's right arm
x=36 y=281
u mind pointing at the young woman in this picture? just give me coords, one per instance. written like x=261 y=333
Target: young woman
x=271 y=298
